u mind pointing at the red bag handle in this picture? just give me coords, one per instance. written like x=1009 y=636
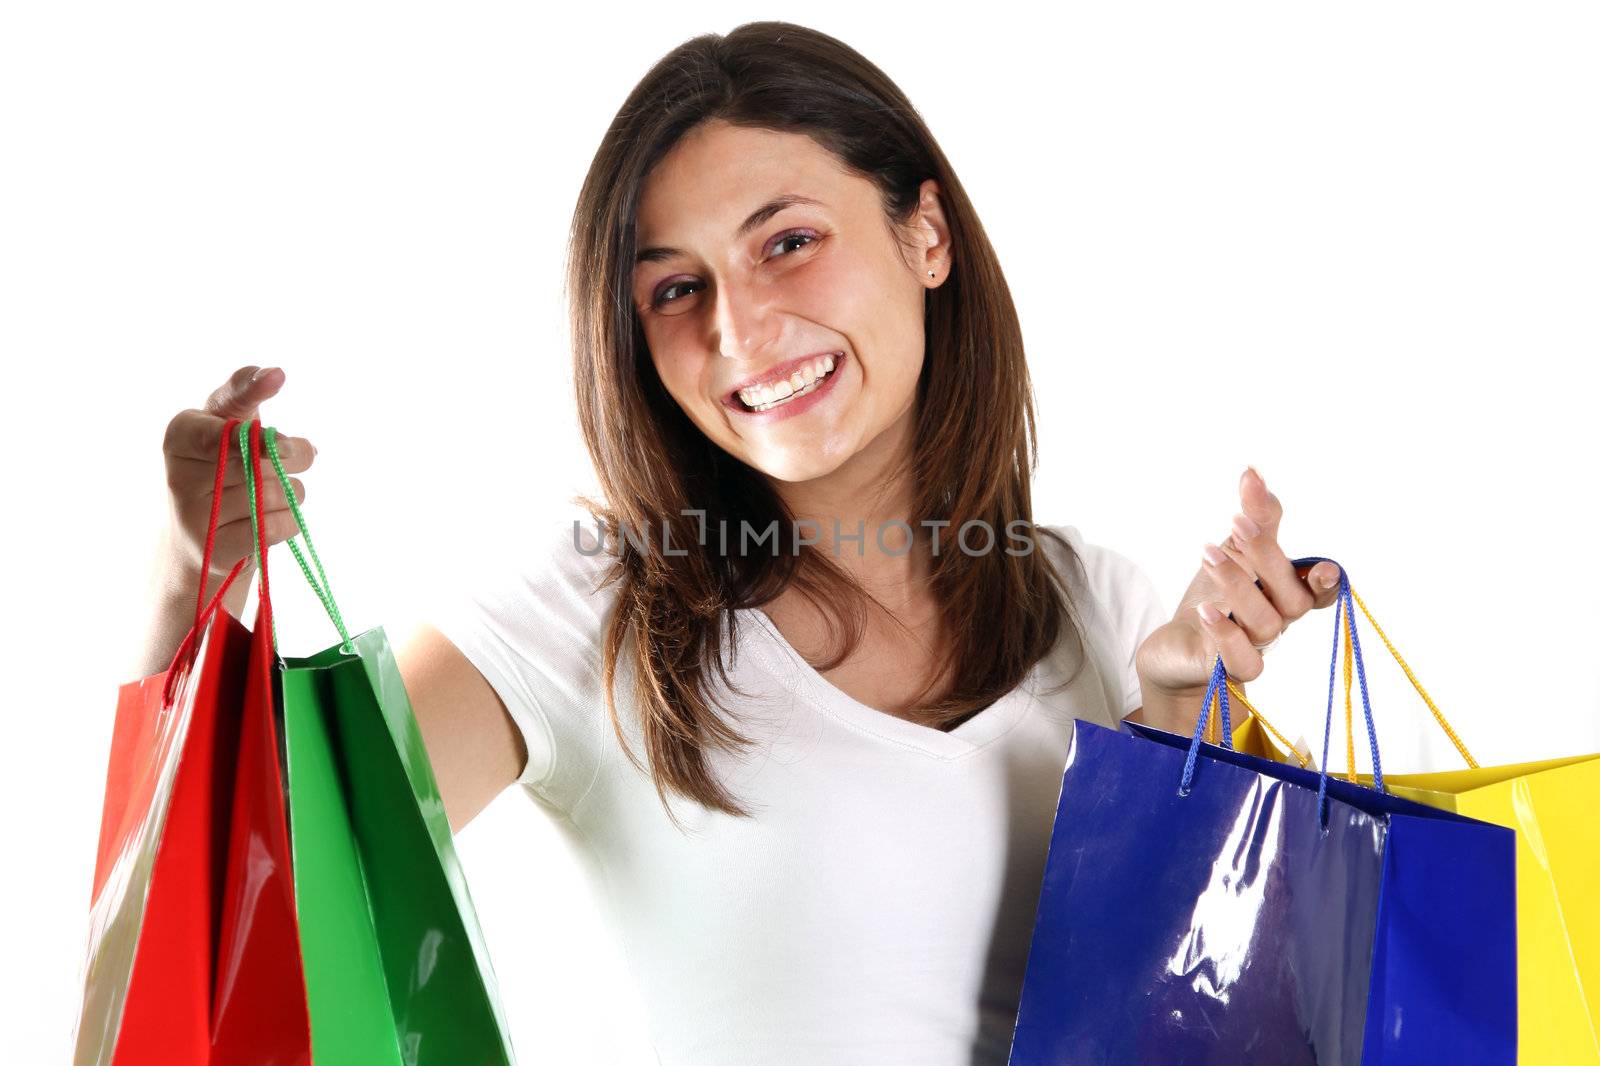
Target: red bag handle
x=203 y=610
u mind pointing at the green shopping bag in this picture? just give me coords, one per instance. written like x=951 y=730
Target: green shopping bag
x=396 y=968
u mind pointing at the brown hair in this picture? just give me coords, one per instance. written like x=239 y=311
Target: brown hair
x=974 y=444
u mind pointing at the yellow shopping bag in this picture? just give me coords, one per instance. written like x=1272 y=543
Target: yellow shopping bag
x=1551 y=805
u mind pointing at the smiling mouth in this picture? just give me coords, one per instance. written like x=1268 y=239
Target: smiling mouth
x=804 y=390
x=804 y=381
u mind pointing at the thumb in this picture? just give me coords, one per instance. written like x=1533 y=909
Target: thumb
x=244 y=391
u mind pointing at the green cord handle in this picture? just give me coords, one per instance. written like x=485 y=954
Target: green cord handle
x=323 y=590
x=255 y=531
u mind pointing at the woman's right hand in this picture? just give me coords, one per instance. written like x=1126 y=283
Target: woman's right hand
x=190 y=451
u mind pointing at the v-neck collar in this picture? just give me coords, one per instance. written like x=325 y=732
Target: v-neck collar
x=774 y=649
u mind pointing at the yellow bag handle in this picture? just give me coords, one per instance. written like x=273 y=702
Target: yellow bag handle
x=1349 y=729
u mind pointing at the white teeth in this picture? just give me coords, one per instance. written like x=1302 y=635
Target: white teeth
x=802 y=381
x=767 y=406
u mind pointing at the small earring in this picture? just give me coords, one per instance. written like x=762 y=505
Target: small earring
x=930 y=273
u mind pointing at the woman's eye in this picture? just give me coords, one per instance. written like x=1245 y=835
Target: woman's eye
x=661 y=295
x=662 y=298
x=795 y=236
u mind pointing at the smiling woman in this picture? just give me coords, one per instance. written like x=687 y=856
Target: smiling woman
x=768 y=203
x=786 y=317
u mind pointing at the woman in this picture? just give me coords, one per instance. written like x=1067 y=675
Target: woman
x=787 y=316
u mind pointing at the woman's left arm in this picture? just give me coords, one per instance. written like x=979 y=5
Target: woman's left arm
x=1176 y=660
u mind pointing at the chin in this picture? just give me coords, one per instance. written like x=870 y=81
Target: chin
x=797 y=466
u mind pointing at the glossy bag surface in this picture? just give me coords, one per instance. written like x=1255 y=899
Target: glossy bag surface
x=1225 y=926
x=147 y=974
x=396 y=966
x=1205 y=905
x=193 y=955
x=259 y=1009
x=1549 y=805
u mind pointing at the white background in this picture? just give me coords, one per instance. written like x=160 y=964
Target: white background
x=1354 y=245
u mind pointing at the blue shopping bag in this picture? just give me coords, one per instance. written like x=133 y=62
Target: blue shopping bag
x=1201 y=905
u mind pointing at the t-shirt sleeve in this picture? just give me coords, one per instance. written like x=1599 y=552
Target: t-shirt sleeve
x=532 y=623
x=1133 y=607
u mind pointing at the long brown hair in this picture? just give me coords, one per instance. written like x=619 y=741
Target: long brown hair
x=974 y=443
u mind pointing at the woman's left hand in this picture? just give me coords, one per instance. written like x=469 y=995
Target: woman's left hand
x=1175 y=662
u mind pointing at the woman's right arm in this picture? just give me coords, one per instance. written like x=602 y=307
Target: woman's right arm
x=473 y=744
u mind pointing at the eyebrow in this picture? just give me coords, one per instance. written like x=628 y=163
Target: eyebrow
x=757 y=217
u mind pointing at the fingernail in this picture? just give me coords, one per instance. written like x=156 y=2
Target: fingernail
x=1208 y=614
x=1214 y=555
x=258 y=374
x=1244 y=527
x=1329 y=580
x=1258 y=477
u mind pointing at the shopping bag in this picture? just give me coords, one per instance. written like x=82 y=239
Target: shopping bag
x=338 y=927
x=1204 y=905
x=259 y=1011
x=155 y=907
x=387 y=925
x=1549 y=803
x=396 y=967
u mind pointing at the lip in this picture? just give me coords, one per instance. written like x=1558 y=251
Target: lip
x=779 y=372
x=798 y=407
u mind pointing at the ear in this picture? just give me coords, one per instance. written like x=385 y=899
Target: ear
x=931 y=230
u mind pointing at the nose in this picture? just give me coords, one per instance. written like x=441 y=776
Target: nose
x=745 y=322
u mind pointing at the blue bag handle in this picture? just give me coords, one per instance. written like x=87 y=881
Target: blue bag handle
x=1343 y=609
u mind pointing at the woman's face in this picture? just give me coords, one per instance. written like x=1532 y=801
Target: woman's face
x=732 y=294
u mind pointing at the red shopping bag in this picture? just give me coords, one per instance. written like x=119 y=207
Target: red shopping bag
x=193 y=956
x=260 y=1011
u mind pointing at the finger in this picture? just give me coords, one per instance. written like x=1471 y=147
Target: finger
x=242 y=393
x=295 y=453
x=191 y=441
x=236 y=502
x=195 y=433
x=237 y=540
x=1249 y=606
x=1323 y=581
x=1239 y=658
x=1254 y=540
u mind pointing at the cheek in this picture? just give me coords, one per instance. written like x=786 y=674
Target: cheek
x=673 y=364
x=879 y=313
x=892 y=381
x=838 y=292
x=686 y=378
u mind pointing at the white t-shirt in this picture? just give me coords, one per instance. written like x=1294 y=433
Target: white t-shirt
x=879 y=905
